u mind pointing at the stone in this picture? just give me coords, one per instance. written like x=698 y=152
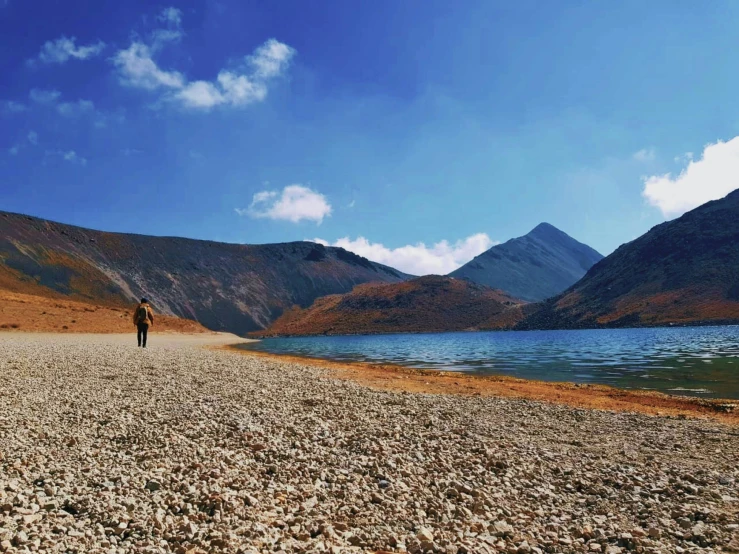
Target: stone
x=152 y=486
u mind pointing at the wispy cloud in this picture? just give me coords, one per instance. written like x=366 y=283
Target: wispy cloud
x=711 y=177
x=72 y=109
x=645 y=155
x=42 y=96
x=172 y=32
x=13 y=150
x=78 y=108
x=419 y=259
x=12 y=107
x=68 y=156
x=295 y=203
x=241 y=85
x=33 y=137
x=63 y=49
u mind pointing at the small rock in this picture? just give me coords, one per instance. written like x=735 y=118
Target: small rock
x=153 y=486
x=424 y=534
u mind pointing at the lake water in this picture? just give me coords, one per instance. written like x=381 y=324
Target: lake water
x=696 y=361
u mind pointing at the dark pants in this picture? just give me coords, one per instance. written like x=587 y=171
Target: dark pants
x=143 y=330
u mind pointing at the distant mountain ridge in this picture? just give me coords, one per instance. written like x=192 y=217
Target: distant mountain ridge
x=427 y=304
x=684 y=271
x=533 y=267
x=230 y=287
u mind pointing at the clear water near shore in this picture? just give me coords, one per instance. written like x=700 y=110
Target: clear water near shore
x=695 y=361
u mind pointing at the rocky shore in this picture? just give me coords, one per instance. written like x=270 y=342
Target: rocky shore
x=105 y=448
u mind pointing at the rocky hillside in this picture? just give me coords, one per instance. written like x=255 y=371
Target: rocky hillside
x=426 y=304
x=231 y=287
x=684 y=271
x=533 y=267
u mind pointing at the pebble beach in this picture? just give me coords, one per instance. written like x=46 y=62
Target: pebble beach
x=187 y=448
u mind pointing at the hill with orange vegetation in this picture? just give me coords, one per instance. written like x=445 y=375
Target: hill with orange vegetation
x=426 y=304
x=682 y=272
x=26 y=312
x=226 y=287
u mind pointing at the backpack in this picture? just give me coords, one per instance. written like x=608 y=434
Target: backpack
x=142 y=314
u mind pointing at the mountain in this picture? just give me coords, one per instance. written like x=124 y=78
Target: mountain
x=533 y=267
x=425 y=304
x=229 y=287
x=684 y=271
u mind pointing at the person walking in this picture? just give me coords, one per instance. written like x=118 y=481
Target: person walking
x=142 y=316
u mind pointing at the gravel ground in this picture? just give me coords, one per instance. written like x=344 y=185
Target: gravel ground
x=108 y=448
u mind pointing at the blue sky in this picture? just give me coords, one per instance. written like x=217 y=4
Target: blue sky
x=380 y=125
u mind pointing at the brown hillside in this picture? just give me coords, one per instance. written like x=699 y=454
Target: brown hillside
x=26 y=312
x=225 y=287
x=426 y=304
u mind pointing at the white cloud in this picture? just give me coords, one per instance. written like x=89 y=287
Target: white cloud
x=13 y=150
x=137 y=69
x=645 y=155
x=33 y=137
x=71 y=156
x=270 y=59
x=71 y=109
x=12 y=107
x=41 y=96
x=295 y=203
x=172 y=18
x=419 y=259
x=62 y=49
x=68 y=156
x=712 y=177
x=232 y=87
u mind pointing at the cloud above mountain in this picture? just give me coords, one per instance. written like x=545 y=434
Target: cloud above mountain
x=419 y=259
x=295 y=203
x=711 y=177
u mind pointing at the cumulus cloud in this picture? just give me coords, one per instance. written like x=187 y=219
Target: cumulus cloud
x=137 y=69
x=238 y=86
x=295 y=203
x=270 y=59
x=645 y=155
x=419 y=259
x=62 y=49
x=41 y=96
x=711 y=177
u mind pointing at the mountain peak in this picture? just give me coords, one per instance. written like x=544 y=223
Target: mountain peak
x=545 y=229
x=533 y=267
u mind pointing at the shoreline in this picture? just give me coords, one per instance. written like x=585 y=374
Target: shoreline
x=391 y=377
x=256 y=335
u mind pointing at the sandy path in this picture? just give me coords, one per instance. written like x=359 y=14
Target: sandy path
x=108 y=448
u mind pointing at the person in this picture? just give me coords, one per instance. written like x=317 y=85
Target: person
x=142 y=316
